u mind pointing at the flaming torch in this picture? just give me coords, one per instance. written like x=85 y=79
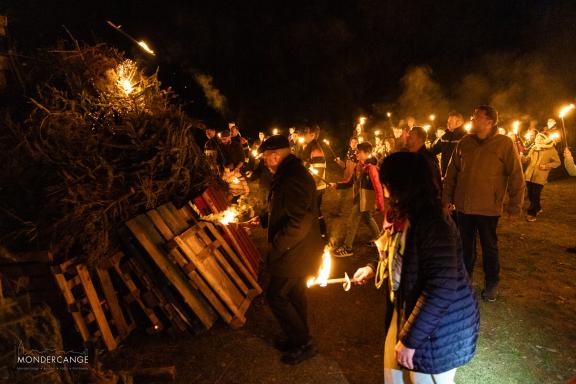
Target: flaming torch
x=316 y=173
x=516 y=127
x=141 y=44
x=329 y=147
x=322 y=279
x=563 y=113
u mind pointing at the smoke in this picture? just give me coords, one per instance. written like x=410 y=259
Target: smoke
x=213 y=95
x=525 y=86
x=421 y=93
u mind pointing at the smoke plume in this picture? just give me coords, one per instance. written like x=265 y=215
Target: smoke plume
x=213 y=96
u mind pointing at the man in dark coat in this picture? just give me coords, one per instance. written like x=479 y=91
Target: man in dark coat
x=296 y=246
x=446 y=144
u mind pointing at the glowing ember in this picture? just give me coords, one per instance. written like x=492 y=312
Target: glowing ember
x=146 y=48
x=324 y=271
x=565 y=110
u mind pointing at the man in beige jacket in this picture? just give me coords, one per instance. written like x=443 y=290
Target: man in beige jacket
x=483 y=167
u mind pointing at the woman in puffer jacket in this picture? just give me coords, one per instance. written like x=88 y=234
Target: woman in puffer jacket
x=435 y=319
x=541 y=158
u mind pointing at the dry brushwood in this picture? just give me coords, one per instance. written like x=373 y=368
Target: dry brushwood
x=101 y=143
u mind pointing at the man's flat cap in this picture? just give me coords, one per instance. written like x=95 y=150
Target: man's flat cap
x=273 y=143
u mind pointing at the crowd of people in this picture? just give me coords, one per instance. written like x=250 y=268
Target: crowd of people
x=436 y=198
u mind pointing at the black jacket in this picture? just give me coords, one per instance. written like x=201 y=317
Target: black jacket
x=233 y=153
x=292 y=222
x=432 y=161
x=437 y=310
x=446 y=146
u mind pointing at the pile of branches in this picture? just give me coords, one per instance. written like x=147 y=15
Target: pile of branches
x=99 y=142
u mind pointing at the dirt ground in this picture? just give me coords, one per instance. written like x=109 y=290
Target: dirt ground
x=527 y=336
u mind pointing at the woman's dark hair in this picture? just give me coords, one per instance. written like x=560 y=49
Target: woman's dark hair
x=409 y=179
x=365 y=147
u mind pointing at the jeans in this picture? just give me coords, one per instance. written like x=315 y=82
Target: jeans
x=485 y=226
x=354 y=222
x=534 y=192
x=395 y=374
x=287 y=299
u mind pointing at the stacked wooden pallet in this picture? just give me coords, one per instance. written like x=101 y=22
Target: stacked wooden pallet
x=205 y=271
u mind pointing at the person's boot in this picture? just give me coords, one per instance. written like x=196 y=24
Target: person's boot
x=300 y=354
x=490 y=292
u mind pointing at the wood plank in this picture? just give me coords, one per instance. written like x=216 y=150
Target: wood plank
x=69 y=298
x=144 y=231
x=123 y=326
x=90 y=291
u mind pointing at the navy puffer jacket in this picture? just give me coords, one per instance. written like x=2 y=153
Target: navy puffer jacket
x=438 y=312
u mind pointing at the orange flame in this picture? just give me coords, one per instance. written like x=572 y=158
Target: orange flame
x=324 y=271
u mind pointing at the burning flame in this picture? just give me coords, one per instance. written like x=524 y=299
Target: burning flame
x=146 y=48
x=565 y=110
x=555 y=136
x=255 y=153
x=235 y=180
x=229 y=216
x=362 y=120
x=324 y=271
x=326 y=142
x=426 y=127
x=313 y=170
x=516 y=127
x=468 y=127
x=377 y=133
x=432 y=117
x=275 y=131
x=126 y=86
x=300 y=140
x=388 y=114
x=528 y=135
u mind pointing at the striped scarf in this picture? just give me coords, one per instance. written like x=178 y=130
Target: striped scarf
x=391 y=246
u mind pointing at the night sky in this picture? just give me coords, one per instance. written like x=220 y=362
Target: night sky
x=293 y=62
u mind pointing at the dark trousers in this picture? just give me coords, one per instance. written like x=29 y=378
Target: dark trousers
x=485 y=226
x=323 y=227
x=534 y=192
x=287 y=299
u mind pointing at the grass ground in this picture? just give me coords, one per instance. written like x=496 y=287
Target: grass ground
x=527 y=336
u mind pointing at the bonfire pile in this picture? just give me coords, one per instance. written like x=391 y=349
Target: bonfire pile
x=95 y=143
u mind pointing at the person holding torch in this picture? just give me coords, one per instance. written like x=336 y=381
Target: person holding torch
x=435 y=318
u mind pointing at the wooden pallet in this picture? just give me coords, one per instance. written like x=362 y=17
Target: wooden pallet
x=236 y=235
x=209 y=262
x=142 y=290
x=94 y=307
x=151 y=240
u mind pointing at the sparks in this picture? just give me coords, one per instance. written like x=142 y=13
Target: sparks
x=146 y=48
x=565 y=110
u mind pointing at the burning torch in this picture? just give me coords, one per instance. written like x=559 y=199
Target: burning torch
x=563 y=113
